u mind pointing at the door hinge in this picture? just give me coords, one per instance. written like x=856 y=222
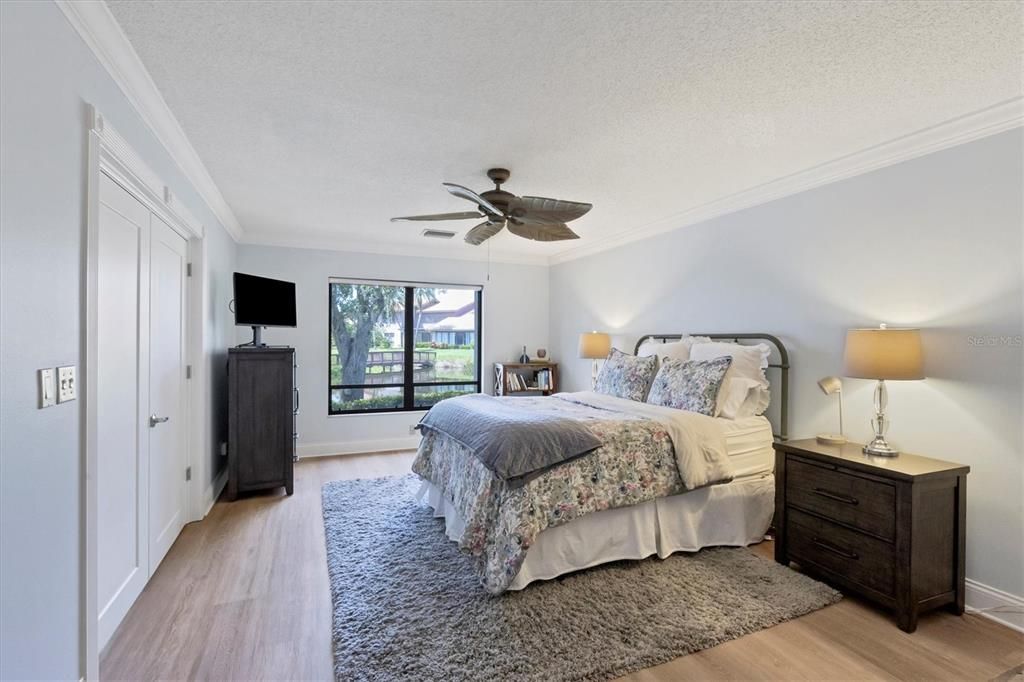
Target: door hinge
x=188 y=473
x=188 y=269
x=188 y=371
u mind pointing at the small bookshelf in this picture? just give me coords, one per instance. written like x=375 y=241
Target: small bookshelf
x=525 y=378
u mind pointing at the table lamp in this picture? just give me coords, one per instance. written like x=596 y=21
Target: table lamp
x=828 y=386
x=594 y=346
x=886 y=355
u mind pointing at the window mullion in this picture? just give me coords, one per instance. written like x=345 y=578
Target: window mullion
x=478 y=342
x=410 y=345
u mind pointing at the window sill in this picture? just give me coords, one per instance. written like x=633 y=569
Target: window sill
x=378 y=413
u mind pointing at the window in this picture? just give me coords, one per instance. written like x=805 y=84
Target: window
x=399 y=347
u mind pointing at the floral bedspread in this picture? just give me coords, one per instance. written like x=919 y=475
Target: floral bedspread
x=636 y=463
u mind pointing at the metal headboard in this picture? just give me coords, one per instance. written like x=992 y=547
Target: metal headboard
x=782 y=432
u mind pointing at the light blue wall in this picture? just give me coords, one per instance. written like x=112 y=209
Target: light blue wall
x=48 y=75
x=515 y=305
x=934 y=242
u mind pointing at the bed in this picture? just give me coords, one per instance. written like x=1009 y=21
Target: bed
x=630 y=499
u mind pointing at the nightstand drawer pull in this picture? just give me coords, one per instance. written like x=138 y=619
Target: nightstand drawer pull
x=836 y=496
x=829 y=547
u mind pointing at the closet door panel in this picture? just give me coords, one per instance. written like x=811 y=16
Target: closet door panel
x=166 y=428
x=122 y=474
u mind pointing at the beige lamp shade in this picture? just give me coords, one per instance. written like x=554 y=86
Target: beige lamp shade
x=884 y=354
x=595 y=345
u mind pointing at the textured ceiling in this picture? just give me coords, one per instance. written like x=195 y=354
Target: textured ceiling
x=319 y=121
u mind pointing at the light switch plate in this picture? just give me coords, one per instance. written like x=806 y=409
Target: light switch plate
x=47 y=388
x=67 y=384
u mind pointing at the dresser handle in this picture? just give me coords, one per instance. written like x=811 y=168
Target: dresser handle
x=846 y=499
x=829 y=547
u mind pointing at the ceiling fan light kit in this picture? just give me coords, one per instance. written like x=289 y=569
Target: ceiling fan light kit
x=535 y=218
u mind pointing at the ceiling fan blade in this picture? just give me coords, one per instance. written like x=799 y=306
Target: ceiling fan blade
x=541 y=211
x=482 y=232
x=465 y=215
x=468 y=194
x=548 y=232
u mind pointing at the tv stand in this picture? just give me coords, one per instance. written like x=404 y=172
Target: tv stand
x=257 y=338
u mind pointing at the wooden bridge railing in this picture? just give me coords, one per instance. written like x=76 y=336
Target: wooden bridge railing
x=392 y=362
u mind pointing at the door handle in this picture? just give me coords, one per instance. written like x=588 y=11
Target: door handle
x=154 y=420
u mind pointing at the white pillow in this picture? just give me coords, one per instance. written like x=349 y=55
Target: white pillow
x=675 y=350
x=744 y=391
x=734 y=397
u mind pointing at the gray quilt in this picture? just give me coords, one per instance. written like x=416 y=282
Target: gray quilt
x=515 y=444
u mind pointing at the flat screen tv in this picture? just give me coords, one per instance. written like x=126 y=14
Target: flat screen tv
x=264 y=302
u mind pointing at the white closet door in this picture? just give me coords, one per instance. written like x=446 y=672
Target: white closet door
x=166 y=427
x=122 y=395
x=141 y=411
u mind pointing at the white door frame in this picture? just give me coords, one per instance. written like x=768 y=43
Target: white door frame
x=109 y=153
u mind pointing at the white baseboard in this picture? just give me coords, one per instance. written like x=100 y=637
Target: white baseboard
x=357 y=447
x=1002 y=607
x=216 y=489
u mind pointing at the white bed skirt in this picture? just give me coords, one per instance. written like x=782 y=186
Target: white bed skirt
x=734 y=514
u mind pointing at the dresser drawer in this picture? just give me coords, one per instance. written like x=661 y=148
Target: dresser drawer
x=860 y=558
x=842 y=496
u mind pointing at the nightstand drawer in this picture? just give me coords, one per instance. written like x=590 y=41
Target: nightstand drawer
x=842 y=496
x=863 y=559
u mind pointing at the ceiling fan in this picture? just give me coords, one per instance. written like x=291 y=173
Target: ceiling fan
x=537 y=218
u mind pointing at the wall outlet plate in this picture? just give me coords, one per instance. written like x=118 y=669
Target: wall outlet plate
x=47 y=388
x=67 y=384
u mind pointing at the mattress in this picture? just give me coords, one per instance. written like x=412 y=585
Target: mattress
x=748 y=442
x=730 y=514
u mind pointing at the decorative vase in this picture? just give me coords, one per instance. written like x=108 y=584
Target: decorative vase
x=524 y=358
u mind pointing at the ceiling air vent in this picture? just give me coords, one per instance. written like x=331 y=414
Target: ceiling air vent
x=438 y=234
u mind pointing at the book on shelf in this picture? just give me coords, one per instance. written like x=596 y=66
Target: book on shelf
x=515 y=382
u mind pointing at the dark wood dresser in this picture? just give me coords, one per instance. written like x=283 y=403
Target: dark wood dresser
x=891 y=529
x=262 y=404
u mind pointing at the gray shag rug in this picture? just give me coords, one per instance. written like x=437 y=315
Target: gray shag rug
x=408 y=605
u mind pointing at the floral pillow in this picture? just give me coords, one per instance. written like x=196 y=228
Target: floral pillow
x=626 y=376
x=691 y=385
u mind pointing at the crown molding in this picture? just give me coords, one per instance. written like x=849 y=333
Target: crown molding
x=363 y=246
x=988 y=121
x=103 y=35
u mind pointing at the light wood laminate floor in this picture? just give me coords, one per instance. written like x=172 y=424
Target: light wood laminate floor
x=243 y=595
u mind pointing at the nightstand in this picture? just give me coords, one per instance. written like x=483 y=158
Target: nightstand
x=891 y=529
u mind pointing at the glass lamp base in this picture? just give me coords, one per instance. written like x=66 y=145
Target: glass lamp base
x=879 y=447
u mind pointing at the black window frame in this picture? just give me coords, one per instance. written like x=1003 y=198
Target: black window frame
x=408 y=385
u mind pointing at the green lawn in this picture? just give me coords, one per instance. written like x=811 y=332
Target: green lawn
x=451 y=364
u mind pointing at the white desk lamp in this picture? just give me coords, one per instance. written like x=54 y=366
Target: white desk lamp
x=828 y=386
x=594 y=346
